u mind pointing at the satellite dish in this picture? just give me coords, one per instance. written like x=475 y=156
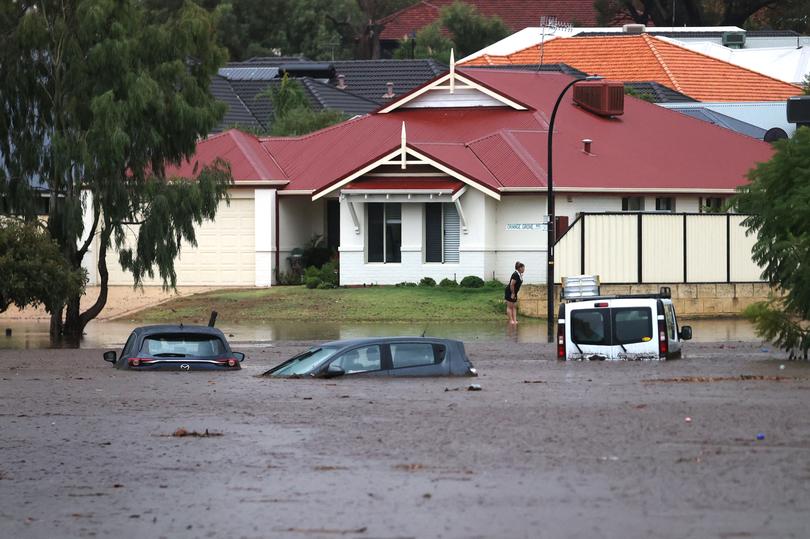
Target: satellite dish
x=774 y=133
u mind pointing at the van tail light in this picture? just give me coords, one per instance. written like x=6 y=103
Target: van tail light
x=560 y=341
x=663 y=344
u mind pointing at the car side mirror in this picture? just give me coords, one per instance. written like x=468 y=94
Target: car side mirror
x=239 y=355
x=110 y=356
x=334 y=370
x=686 y=333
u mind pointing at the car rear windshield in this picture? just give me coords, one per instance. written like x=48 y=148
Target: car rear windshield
x=182 y=345
x=607 y=327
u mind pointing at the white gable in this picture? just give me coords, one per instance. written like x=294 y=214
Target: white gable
x=462 y=97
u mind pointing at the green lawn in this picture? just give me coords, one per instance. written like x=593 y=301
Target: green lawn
x=374 y=304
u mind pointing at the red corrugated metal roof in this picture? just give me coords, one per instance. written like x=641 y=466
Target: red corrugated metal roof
x=249 y=160
x=516 y=14
x=405 y=184
x=648 y=148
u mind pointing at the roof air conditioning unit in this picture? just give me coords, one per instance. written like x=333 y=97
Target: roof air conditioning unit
x=634 y=29
x=734 y=40
x=798 y=110
x=603 y=98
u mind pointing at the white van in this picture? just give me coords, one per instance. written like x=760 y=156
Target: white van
x=625 y=327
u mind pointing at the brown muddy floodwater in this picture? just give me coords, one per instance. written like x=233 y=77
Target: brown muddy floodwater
x=26 y=335
x=545 y=449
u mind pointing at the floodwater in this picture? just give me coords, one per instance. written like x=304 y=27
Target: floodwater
x=26 y=335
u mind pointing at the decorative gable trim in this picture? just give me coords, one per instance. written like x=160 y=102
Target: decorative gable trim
x=450 y=82
x=404 y=156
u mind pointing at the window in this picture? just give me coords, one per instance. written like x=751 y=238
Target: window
x=633 y=204
x=672 y=324
x=664 y=204
x=441 y=233
x=415 y=354
x=384 y=232
x=632 y=324
x=713 y=205
x=363 y=359
x=589 y=326
x=180 y=345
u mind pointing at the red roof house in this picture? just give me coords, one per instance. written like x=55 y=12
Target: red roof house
x=466 y=153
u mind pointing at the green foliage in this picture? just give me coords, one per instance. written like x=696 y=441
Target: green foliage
x=806 y=84
x=427 y=282
x=494 y=283
x=327 y=275
x=405 y=284
x=461 y=27
x=778 y=325
x=292 y=112
x=448 y=283
x=99 y=97
x=782 y=15
x=471 y=31
x=430 y=42
x=33 y=269
x=302 y=121
x=312 y=282
x=472 y=281
x=778 y=199
x=628 y=90
x=316 y=253
x=289 y=278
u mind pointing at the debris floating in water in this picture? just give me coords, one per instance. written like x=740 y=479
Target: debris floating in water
x=687 y=419
x=474 y=387
x=761 y=436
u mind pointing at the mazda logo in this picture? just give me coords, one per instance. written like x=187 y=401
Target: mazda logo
x=185 y=367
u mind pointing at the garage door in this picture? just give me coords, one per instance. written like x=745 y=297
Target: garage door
x=225 y=253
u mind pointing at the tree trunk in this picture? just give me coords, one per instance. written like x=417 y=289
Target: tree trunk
x=56 y=323
x=75 y=322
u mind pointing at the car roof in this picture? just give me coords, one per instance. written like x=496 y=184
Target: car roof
x=345 y=343
x=178 y=328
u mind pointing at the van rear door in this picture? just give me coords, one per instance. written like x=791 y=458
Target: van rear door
x=612 y=330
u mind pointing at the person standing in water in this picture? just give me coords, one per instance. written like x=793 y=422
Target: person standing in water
x=511 y=292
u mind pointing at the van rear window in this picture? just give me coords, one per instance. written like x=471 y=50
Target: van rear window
x=606 y=327
x=589 y=326
x=632 y=324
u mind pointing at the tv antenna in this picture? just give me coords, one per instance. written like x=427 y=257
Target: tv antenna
x=553 y=25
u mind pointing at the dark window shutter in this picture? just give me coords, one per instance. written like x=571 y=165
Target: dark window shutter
x=374 y=231
x=433 y=232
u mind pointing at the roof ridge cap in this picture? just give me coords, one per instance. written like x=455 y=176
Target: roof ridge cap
x=240 y=142
x=524 y=155
x=661 y=62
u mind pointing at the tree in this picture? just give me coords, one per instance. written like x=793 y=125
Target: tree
x=806 y=84
x=33 y=268
x=683 y=12
x=778 y=201
x=292 y=113
x=466 y=31
x=98 y=97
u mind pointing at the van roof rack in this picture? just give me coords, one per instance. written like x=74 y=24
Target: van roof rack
x=664 y=293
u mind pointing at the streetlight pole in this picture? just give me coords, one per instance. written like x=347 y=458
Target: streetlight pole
x=551 y=215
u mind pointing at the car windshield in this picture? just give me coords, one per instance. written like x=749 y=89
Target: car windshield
x=182 y=345
x=304 y=363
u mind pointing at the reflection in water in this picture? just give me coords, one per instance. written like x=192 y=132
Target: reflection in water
x=113 y=334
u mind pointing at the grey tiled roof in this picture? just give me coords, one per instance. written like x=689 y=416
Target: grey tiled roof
x=722 y=120
x=368 y=78
x=238 y=113
x=554 y=68
x=330 y=97
x=658 y=92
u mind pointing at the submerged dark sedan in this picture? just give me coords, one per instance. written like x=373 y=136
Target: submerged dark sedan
x=178 y=348
x=391 y=356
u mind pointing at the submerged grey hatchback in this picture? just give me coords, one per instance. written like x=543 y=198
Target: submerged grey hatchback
x=391 y=356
